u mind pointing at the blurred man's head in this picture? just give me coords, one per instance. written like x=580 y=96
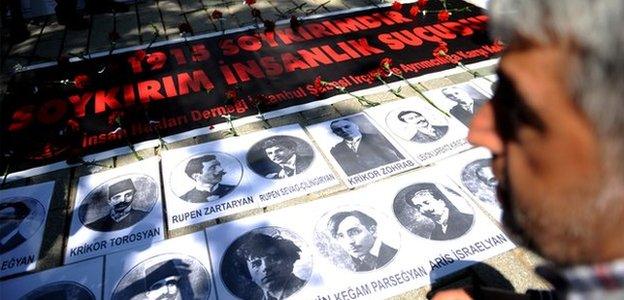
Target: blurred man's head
x=345 y=129
x=205 y=170
x=555 y=126
x=279 y=150
x=354 y=231
x=458 y=95
x=121 y=195
x=163 y=280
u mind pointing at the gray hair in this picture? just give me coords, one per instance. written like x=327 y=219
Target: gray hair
x=595 y=28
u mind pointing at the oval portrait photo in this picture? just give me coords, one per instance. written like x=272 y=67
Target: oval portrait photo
x=357 y=238
x=165 y=276
x=20 y=218
x=266 y=263
x=205 y=177
x=280 y=156
x=119 y=203
x=433 y=211
x=417 y=125
x=60 y=290
x=479 y=179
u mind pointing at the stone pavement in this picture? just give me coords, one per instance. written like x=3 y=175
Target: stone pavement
x=49 y=40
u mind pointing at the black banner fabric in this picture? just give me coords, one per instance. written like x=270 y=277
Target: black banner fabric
x=73 y=109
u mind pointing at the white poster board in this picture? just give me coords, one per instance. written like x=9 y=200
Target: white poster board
x=116 y=210
x=423 y=131
x=472 y=171
x=219 y=178
x=364 y=243
x=177 y=268
x=23 y=214
x=359 y=150
x=76 y=281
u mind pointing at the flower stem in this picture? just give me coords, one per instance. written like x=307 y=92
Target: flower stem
x=363 y=101
x=417 y=90
x=475 y=74
x=5 y=174
x=393 y=91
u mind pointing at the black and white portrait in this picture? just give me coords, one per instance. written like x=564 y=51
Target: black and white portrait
x=280 y=156
x=167 y=276
x=426 y=211
x=20 y=218
x=417 y=126
x=355 y=239
x=206 y=177
x=467 y=101
x=119 y=203
x=479 y=179
x=60 y=291
x=266 y=263
x=361 y=150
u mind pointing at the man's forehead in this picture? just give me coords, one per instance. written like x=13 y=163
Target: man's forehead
x=422 y=195
x=342 y=123
x=349 y=222
x=210 y=163
x=124 y=192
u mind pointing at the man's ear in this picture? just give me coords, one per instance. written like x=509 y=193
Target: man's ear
x=196 y=176
x=373 y=230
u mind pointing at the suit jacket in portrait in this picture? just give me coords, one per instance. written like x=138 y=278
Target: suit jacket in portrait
x=12 y=243
x=107 y=223
x=457 y=224
x=438 y=131
x=372 y=152
x=463 y=115
x=386 y=253
x=198 y=196
x=302 y=162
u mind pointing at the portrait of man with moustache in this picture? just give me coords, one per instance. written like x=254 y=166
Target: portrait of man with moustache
x=207 y=173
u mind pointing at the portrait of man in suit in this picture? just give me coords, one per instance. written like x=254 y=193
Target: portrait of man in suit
x=269 y=262
x=431 y=203
x=121 y=214
x=478 y=177
x=358 y=151
x=425 y=131
x=12 y=214
x=283 y=159
x=207 y=173
x=465 y=106
x=356 y=233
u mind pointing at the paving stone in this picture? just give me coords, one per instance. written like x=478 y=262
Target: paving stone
x=286 y=120
x=348 y=107
x=130 y=158
x=320 y=114
x=47 y=50
x=181 y=144
x=170 y=11
x=204 y=138
x=150 y=19
x=191 y=229
x=461 y=77
x=52 y=30
x=244 y=214
x=76 y=41
x=436 y=83
x=101 y=26
x=51 y=252
x=127 y=27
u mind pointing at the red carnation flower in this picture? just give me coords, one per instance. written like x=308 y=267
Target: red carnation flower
x=81 y=81
x=294 y=22
x=216 y=14
x=318 y=85
x=375 y=73
x=443 y=15
x=230 y=94
x=422 y=3
x=73 y=125
x=414 y=11
x=185 y=28
x=441 y=50
x=385 y=63
x=250 y=2
x=269 y=26
x=140 y=55
x=396 y=5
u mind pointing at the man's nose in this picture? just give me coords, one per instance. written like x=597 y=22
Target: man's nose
x=483 y=130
